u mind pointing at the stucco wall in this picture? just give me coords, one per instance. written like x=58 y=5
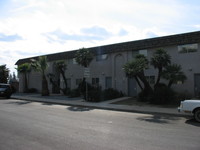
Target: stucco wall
x=112 y=67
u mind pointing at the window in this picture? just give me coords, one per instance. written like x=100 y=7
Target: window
x=188 y=48
x=101 y=57
x=142 y=52
x=179 y=82
x=78 y=81
x=95 y=81
x=74 y=61
x=69 y=83
x=108 y=83
x=69 y=61
x=151 y=79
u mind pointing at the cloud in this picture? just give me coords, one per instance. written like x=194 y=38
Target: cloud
x=123 y=32
x=35 y=27
x=9 y=38
x=94 y=33
x=151 y=35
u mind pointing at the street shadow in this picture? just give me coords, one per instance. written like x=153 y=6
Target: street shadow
x=160 y=119
x=49 y=104
x=76 y=108
x=192 y=122
x=20 y=102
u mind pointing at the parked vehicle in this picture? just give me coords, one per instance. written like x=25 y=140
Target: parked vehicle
x=5 y=90
x=191 y=107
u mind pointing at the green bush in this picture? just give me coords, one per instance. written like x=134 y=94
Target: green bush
x=162 y=95
x=182 y=96
x=144 y=96
x=74 y=93
x=96 y=94
x=111 y=93
x=32 y=90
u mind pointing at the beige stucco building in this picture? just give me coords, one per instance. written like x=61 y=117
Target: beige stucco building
x=106 y=67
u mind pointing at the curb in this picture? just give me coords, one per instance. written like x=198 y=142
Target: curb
x=103 y=107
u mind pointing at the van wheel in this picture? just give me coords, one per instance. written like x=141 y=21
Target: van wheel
x=197 y=115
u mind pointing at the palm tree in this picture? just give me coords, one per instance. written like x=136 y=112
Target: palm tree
x=160 y=60
x=41 y=66
x=135 y=69
x=174 y=74
x=4 y=74
x=62 y=66
x=24 y=69
x=84 y=57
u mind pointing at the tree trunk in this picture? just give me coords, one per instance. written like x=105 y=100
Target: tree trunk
x=138 y=82
x=147 y=88
x=45 y=90
x=26 y=83
x=170 y=84
x=65 y=81
x=159 y=76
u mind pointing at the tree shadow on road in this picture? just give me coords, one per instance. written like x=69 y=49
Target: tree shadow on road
x=20 y=102
x=192 y=122
x=49 y=104
x=76 y=108
x=161 y=119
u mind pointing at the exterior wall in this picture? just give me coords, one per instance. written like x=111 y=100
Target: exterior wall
x=189 y=63
x=112 y=67
x=21 y=82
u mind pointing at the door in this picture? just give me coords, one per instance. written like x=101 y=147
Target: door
x=132 y=89
x=197 y=84
x=119 y=75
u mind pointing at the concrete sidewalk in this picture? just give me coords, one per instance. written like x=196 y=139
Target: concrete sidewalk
x=108 y=105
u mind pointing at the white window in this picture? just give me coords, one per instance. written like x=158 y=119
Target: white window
x=188 y=48
x=143 y=52
x=101 y=57
x=74 y=61
x=69 y=61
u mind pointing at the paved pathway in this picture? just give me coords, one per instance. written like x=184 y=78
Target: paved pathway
x=79 y=102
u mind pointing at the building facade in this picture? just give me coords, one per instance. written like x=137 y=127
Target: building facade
x=106 y=69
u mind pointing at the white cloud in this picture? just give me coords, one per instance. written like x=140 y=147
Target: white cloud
x=88 y=23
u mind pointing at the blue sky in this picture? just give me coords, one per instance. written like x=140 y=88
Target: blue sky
x=36 y=27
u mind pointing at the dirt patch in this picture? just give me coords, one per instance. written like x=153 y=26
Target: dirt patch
x=134 y=101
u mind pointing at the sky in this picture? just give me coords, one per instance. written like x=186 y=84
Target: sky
x=37 y=27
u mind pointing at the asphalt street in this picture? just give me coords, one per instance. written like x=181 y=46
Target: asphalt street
x=38 y=126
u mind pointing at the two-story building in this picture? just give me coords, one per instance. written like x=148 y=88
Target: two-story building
x=106 y=67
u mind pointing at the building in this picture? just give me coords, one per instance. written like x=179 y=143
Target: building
x=106 y=68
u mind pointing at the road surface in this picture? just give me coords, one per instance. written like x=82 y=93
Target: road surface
x=37 y=126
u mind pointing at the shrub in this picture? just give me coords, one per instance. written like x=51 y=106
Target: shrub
x=74 y=93
x=143 y=97
x=111 y=94
x=162 y=95
x=32 y=90
x=95 y=95
x=182 y=96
